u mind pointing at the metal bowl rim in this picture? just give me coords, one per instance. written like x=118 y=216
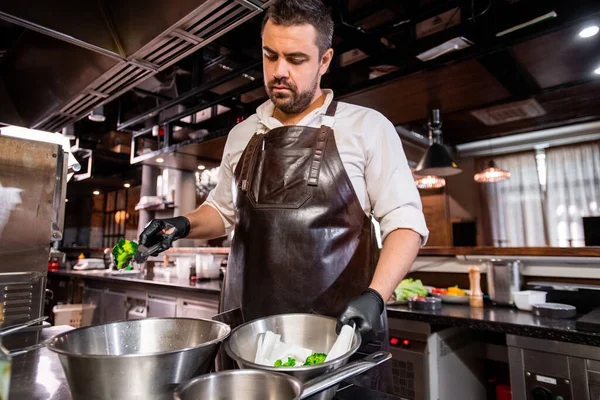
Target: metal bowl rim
x=51 y=346
x=191 y=382
x=252 y=364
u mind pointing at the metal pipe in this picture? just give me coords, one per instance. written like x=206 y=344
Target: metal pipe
x=177 y=117
x=188 y=95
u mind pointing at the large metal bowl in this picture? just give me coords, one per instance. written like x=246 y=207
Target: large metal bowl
x=139 y=359
x=248 y=384
x=311 y=331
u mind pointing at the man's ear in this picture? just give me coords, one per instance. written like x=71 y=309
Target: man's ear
x=325 y=61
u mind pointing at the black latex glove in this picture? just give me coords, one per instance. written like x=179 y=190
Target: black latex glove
x=165 y=232
x=365 y=311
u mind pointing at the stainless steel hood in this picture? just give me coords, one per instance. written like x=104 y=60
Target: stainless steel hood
x=76 y=55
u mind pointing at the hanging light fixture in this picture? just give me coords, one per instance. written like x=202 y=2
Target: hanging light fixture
x=97 y=114
x=437 y=161
x=430 y=182
x=492 y=174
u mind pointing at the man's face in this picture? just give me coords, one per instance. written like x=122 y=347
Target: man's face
x=292 y=67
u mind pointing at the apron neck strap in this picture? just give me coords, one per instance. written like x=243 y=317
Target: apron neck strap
x=331 y=109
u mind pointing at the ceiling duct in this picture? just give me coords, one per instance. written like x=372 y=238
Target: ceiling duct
x=91 y=52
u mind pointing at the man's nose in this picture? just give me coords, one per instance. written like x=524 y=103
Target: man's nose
x=281 y=69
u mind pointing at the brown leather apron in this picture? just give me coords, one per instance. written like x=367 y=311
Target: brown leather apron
x=302 y=241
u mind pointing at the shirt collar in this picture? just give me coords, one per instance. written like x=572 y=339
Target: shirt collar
x=265 y=113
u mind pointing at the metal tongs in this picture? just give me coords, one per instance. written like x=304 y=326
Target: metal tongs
x=142 y=253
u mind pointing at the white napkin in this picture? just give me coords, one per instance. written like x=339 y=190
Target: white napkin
x=270 y=348
x=342 y=343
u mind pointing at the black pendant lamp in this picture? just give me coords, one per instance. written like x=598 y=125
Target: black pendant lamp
x=437 y=161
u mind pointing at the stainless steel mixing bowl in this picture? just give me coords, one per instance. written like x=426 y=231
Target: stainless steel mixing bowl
x=249 y=384
x=138 y=359
x=311 y=331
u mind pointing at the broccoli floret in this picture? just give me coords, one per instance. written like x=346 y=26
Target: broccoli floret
x=289 y=363
x=124 y=252
x=316 y=358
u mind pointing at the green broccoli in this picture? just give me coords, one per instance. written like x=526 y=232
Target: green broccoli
x=316 y=358
x=124 y=252
x=289 y=363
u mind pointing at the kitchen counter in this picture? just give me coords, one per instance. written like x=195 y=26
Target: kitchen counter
x=213 y=286
x=500 y=320
x=38 y=375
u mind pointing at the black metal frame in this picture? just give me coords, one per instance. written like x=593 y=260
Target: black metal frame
x=115 y=232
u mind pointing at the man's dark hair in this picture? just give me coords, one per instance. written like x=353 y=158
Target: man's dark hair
x=298 y=12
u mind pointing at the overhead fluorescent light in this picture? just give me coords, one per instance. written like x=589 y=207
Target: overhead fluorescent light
x=597 y=71
x=589 y=31
x=458 y=43
x=551 y=14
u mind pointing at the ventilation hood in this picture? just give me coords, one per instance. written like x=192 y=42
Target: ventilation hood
x=76 y=55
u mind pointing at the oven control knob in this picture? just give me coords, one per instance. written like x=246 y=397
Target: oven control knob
x=540 y=393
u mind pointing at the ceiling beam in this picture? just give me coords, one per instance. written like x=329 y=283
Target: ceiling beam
x=510 y=74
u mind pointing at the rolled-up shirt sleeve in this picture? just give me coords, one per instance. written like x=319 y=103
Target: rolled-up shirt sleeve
x=394 y=197
x=220 y=198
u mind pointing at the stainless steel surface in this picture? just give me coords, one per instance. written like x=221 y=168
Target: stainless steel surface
x=249 y=384
x=28 y=176
x=18 y=327
x=100 y=50
x=140 y=359
x=311 y=331
x=241 y=384
x=159 y=306
x=172 y=281
x=37 y=375
x=503 y=279
x=114 y=306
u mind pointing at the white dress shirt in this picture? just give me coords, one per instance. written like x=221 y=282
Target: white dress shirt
x=371 y=152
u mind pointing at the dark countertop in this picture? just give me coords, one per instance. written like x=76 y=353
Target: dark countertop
x=213 y=286
x=501 y=320
x=38 y=375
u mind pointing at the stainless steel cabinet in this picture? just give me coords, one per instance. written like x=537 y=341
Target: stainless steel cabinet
x=197 y=308
x=161 y=306
x=93 y=296
x=114 y=306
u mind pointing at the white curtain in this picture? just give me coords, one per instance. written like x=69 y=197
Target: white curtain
x=515 y=212
x=573 y=192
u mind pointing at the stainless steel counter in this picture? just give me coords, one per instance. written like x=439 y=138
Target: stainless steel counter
x=37 y=375
x=212 y=287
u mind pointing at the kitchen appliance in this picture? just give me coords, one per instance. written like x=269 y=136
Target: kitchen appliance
x=503 y=279
x=310 y=331
x=442 y=365
x=140 y=359
x=247 y=384
x=33 y=177
x=581 y=296
x=546 y=369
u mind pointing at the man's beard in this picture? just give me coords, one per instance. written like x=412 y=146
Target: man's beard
x=292 y=102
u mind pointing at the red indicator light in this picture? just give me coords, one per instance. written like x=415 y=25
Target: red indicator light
x=406 y=342
x=394 y=341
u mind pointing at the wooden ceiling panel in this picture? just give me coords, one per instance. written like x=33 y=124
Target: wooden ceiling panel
x=456 y=87
x=564 y=106
x=559 y=57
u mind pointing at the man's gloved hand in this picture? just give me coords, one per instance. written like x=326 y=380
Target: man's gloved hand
x=365 y=311
x=165 y=232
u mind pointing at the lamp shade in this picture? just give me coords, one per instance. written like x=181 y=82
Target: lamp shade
x=437 y=161
x=492 y=174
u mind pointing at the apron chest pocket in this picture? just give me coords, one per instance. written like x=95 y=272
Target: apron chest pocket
x=283 y=175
